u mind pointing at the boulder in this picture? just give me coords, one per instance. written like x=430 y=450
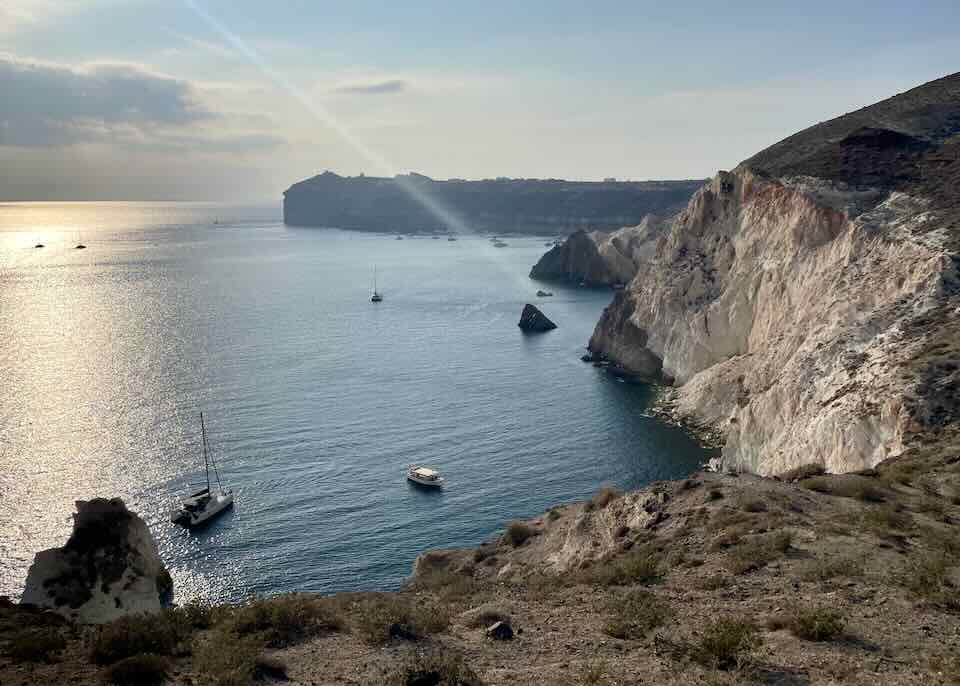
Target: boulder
x=532 y=319
x=501 y=631
x=108 y=568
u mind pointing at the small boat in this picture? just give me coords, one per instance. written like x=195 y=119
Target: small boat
x=544 y=294
x=205 y=504
x=451 y=238
x=376 y=297
x=499 y=244
x=399 y=238
x=424 y=476
x=79 y=245
x=38 y=245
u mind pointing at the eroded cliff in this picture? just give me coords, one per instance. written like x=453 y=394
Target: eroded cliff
x=812 y=318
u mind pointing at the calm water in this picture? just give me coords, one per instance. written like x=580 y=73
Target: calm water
x=316 y=399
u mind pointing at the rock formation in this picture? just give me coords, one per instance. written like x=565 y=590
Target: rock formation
x=533 y=320
x=807 y=304
x=108 y=568
x=415 y=203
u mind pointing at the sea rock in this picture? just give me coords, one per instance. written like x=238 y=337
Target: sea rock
x=532 y=319
x=108 y=568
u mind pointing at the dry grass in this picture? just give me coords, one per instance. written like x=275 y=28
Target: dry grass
x=604 y=496
x=805 y=471
x=883 y=518
x=846 y=486
x=824 y=569
x=810 y=623
x=380 y=617
x=725 y=644
x=642 y=567
x=228 y=659
x=35 y=644
x=287 y=619
x=635 y=614
x=439 y=665
x=160 y=633
x=758 y=551
x=137 y=670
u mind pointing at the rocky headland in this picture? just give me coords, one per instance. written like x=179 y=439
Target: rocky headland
x=414 y=203
x=806 y=305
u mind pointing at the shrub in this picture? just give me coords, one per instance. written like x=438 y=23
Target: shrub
x=137 y=670
x=725 y=643
x=829 y=568
x=757 y=552
x=817 y=624
x=714 y=493
x=605 y=496
x=805 y=471
x=518 y=533
x=287 y=619
x=845 y=487
x=228 y=659
x=635 y=614
x=380 y=617
x=638 y=567
x=885 y=517
x=754 y=505
x=927 y=577
x=440 y=665
x=486 y=616
x=553 y=514
x=37 y=644
x=817 y=483
x=160 y=633
x=714 y=583
x=270 y=667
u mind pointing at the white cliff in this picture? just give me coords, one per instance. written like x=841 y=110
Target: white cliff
x=795 y=314
x=108 y=568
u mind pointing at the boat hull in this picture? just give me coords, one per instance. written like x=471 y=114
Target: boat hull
x=217 y=505
x=434 y=483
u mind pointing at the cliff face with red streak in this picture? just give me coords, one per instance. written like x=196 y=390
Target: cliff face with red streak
x=805 y=305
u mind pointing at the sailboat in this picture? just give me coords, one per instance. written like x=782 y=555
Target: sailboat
x=205 y=504
x=376 y=297
x=79 y=245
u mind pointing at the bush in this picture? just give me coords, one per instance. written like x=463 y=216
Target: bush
x=714 y=493
x=714 y=583
x=886 y=517
x=638 y=567
x=757 y=552
x=848 y=486
x=287 y=619
x=826 y=569
x=380 y=617
x=635 y=614
x=518 y=533
x=605 y=496
x=486 y=616
x=440 y=666
x=137 y=670
x=160 y=633
x=817 y=624
x=228 y=659
x=37 y=644
x=725 y=643
x=754 y=505
x=805 y=471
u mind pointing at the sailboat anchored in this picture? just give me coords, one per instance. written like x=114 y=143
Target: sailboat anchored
x=205 y=504
x=376 y=297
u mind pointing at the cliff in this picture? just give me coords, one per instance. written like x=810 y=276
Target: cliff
x=807 y=304
x=415 y=203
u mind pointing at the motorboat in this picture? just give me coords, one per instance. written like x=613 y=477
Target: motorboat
x=424 y=476
x=544 y=294
x=207 y=503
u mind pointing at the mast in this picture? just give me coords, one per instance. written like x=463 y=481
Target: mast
x=374 y=279
x=206 y=464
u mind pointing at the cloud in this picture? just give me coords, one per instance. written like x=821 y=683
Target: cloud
x=373 y=88
x=48 y=104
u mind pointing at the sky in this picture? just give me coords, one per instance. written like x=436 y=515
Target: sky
x=235 y=100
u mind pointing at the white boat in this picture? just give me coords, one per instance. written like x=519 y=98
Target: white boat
x=206 y=503
x=377 y=296
x=424 y=476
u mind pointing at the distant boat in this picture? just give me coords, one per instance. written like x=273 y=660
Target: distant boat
x=79 y=245
x=424 y=476
x=499 y=244
x=38 y=245
x=205 y=504
x=399 y=238
x=376 y=297
x=451 y=238
x=544 y=294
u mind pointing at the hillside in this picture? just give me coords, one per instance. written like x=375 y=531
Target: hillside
x=418 y=204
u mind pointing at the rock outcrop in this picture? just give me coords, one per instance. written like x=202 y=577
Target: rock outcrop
x=534 y=321
x=414 y=203
x=601 y=259
x=807 y=304
x=108 y=568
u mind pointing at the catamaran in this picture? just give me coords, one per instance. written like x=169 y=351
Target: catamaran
x=205 y=504
x=376 y=297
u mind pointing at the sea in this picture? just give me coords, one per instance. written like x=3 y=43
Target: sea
x=315 y=399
